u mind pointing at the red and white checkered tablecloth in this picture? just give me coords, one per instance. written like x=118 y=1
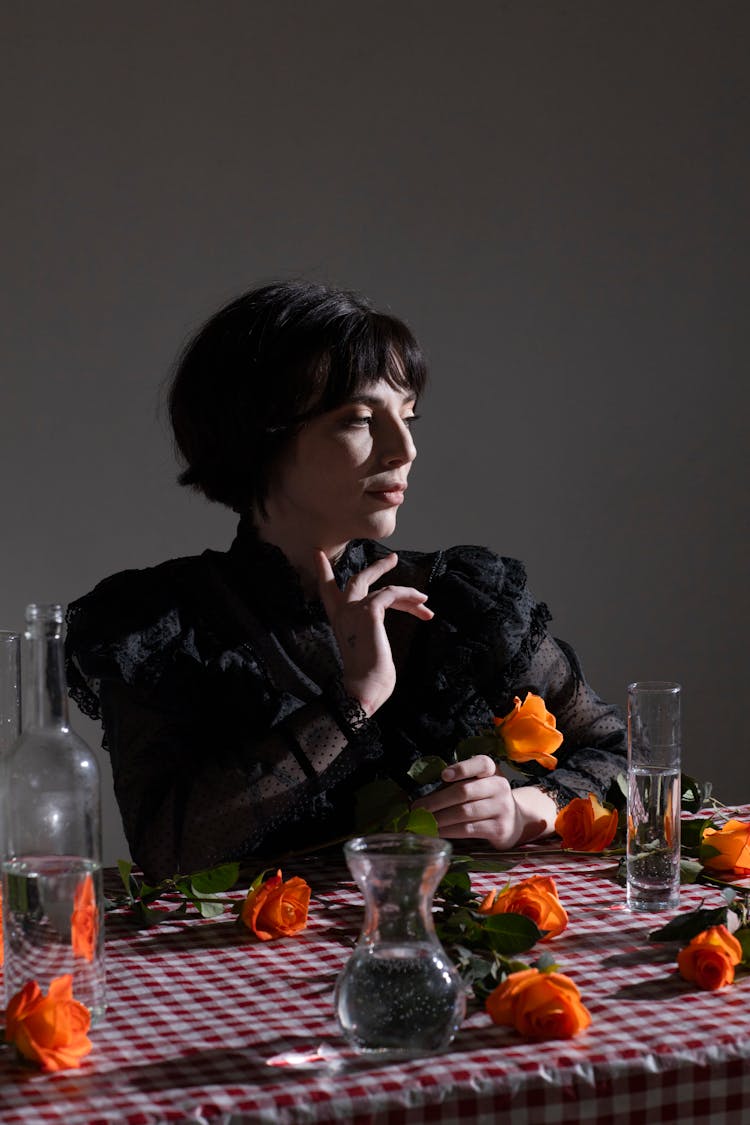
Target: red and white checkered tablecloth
x=207 y=1025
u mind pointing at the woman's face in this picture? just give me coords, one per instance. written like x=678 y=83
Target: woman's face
x=344 y=475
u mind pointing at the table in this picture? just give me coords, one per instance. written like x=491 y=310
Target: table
x=207 y=1025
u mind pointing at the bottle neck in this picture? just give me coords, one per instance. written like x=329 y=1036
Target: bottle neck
x=407 y=920
x=45 y=698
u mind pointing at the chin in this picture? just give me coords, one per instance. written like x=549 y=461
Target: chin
x=379 y=525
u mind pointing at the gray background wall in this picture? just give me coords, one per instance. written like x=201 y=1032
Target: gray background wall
x=554 y=195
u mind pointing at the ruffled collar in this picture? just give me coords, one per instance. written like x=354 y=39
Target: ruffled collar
x=272 y=583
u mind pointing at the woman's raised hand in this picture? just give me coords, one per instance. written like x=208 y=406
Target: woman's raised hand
x=357 y=618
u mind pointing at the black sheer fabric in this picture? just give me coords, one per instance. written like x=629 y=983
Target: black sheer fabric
x=219 y=689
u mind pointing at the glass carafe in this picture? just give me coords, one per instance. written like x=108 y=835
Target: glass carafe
x=10 y=689
x=52 y=871
x=399 y=991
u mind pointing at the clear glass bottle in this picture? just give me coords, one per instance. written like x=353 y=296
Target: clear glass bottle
x=10 y=690
x=53 y=919
x=399 y=991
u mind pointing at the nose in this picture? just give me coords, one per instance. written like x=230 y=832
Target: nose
x=398 y=446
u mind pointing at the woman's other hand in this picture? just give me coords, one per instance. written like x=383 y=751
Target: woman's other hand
x=357 y=618
x=478 y=803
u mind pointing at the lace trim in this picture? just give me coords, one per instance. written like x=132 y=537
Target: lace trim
x=559 y=794
x=283 y=596
x=78 y=687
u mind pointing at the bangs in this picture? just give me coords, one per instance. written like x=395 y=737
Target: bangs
x=368 y=348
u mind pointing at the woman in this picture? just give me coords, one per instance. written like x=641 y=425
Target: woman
x=246 y=696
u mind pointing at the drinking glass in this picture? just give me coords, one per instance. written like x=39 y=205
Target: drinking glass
x=653 y=852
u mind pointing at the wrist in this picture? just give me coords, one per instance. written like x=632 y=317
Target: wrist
x=369 y=701
x=535 y=813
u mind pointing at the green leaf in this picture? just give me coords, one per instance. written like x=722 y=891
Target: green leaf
x=501 y=969
x=207 y=908
x=259 y=879
x=511 y=933
x=214 y=880
x=617 y=794
x=375 y=803
x=422 y=822
x=743 y=937
x=427 y=770
x=124 y=866
x=694 y=793
x=400 y=814
x=479 y=744
x=460 y=926
x=150 y=893
x=690 y=870
x=483 y=975
x=685 y=926
x=474 y=864
x=707 y=851
x=455 y=880
x=154 y=917
x=691 y=832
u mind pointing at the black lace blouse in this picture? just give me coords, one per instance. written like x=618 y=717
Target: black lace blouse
x=219 y=689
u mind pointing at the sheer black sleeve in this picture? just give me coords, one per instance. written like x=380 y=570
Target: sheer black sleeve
x=211 y=760
x=490 y=642
x=594 y=738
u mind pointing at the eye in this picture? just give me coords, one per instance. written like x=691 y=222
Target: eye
x=410 y=420
x=358 y=421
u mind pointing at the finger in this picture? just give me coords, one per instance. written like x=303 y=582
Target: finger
x=492 y=810
x=471 y=792
x=411 y=602
x=358 y=585
x=327 y=587
x=387 y=596
x=475 y=828
x=479 y=765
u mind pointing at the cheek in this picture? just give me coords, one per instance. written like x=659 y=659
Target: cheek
x=343 y=465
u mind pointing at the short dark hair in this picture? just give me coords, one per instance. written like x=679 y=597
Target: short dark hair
x=264 y=365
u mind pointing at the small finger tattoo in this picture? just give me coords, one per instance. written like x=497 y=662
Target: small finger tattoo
x=351 y=640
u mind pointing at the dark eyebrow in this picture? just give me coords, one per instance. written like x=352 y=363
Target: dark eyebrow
x=373 y=400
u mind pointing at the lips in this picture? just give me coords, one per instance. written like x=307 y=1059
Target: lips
x=391 y=494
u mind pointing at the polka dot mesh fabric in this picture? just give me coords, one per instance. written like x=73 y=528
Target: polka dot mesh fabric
x=219 y=689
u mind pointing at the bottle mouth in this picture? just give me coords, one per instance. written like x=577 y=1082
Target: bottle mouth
x=399 y=846
x=654 y=687
x=42 y=612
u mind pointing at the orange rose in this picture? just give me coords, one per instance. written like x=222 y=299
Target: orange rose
x=733 y=845
x=710 y=958
x=528 y=732
x=276 y=908
x=586 y=825
x=536 y=898
x=49 y=1030
x=539 y=1005
x=84 y=921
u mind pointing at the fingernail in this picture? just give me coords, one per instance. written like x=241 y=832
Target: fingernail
x=449 y=774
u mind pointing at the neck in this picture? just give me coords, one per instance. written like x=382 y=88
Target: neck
x=299 y=544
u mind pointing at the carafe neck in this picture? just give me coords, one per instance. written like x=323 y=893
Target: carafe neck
x=45 y=698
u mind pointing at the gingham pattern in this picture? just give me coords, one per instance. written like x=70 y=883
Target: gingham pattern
x=206 y=1025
